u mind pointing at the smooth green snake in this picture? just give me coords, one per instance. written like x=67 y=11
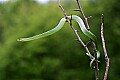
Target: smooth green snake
x=60 y=25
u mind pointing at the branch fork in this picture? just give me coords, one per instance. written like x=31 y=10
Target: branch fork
x=85 y=19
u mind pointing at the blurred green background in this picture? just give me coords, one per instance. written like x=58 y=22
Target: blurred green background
x=60 y=56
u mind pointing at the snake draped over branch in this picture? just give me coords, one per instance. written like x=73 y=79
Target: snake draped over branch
x=60 y=25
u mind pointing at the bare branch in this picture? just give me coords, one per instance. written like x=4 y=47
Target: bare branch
x=62 y=9
x=96 y=62
x=84 y=17
x=107 y=60
x=75 y=31
x=102 y=36
x=87 y=25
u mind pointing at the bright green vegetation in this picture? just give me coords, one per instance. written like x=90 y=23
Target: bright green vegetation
x=58 y=57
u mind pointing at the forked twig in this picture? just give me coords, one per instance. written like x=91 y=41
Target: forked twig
x=75 y=31
x=87 y=25
x=85 y=46
x=83 y=15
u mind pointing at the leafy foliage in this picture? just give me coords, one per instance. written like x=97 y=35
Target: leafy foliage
x=58 y=57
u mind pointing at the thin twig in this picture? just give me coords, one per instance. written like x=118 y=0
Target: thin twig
x=89 y=17
x=102 y=36
x=96 y=62
x=88 y=43
x=75 y=31
x=107 y=59
x=65 y=14
x=87 y=26
x=81 y=11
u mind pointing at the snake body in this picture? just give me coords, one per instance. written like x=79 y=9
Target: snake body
x=60 y=25
x=45 y=34
x=85 y=31
x=88 y=34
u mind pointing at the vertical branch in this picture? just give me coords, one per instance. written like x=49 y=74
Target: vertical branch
x=102 y=36
x=96 y=62
x=107 y=59
x=95 y=53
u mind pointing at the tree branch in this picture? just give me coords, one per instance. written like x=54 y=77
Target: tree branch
x=65 y=14
x=96 y=62
x=107 y=59
x=75 y=31
x=83 y=15
x=95 y=53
